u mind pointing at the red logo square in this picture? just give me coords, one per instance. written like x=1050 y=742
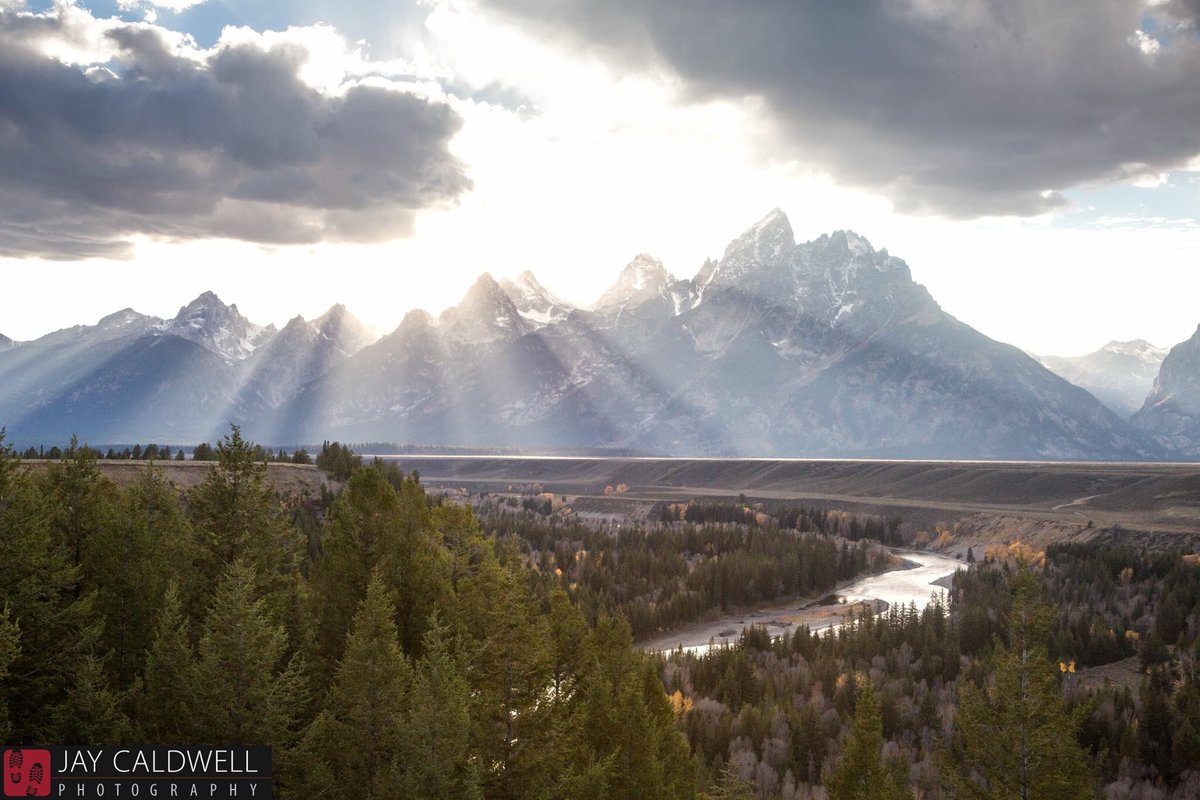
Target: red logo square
x=26 y=772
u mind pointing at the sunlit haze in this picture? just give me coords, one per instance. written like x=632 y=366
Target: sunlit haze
x=568 y=158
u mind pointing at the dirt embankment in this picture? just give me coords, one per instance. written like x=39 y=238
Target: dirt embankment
x=286 y=478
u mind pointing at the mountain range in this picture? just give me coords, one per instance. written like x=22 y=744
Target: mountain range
x=820 y=348
x=1120 y=374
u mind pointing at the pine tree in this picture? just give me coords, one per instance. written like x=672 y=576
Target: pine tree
x=571 y=643
x=629 y=722
x=510 y=675
x=41 y=593
x=91 y=710
x=360 y=529
x=417 y=569
x=372 y=526
x=1016 y=736
x=128 y=562
x=437 y=735
x=167 y=707
x=352 y=747
x=10 y=648
x=245 y=693
x=1156 y=731
x=237 y=516
x=82 y=501
x=860 y=774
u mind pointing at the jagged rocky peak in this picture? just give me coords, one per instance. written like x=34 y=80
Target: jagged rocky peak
x=846 y=259
x=486 y=314
x=707 y=270
x=296 y=323
x=298 y=332
x=769 y=242
x=845 y=241
x=6 y=343
x=346 y=331
x=534 y=301
x=643 y=279
x=218 y=327
x=834 y=280
x=416 y=319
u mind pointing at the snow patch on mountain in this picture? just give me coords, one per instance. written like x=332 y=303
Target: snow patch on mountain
x=642 y=279
x=533 y=301
x=219 y=328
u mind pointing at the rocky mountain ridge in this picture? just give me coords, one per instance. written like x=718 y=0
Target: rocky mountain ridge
x=820 y=348
x=1171 y=413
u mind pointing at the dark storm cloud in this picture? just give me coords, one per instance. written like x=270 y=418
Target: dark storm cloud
x=1186 y=11
x=964 y=107
x=233 y=145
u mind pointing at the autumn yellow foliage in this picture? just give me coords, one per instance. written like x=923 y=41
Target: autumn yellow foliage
x=680 y=704
x=1017 y=553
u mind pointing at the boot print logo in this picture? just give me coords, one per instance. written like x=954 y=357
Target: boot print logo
x=26 y=772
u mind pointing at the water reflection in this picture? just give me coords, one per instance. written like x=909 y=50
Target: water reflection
x=898 y=587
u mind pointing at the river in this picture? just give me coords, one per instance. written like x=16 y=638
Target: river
x=895 y=587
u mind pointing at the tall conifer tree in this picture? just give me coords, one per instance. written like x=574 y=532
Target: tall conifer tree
x=1017 y=738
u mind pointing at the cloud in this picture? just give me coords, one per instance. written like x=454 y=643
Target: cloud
x=109 y=130
x=960 y=107
x=1185 y=12
x=167 y=5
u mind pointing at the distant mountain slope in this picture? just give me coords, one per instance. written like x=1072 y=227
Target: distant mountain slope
x=137 y=378
x=1171 y=413
x=6 y=343
x=821 y=348
x=298 y=354
x=1120 y=374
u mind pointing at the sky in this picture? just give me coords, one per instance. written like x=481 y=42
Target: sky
x=1036 y=164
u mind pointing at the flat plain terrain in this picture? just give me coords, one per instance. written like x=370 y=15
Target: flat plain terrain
x=1033 y=501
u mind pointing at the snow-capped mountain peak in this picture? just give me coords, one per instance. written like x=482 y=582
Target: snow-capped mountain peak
x=534 y=302
x=644 y=278
x=486 y=314
x=6 y=343
x=218 y=327
x=1120 y=374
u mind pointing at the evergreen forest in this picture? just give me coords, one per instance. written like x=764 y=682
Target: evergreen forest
x=389 y=642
